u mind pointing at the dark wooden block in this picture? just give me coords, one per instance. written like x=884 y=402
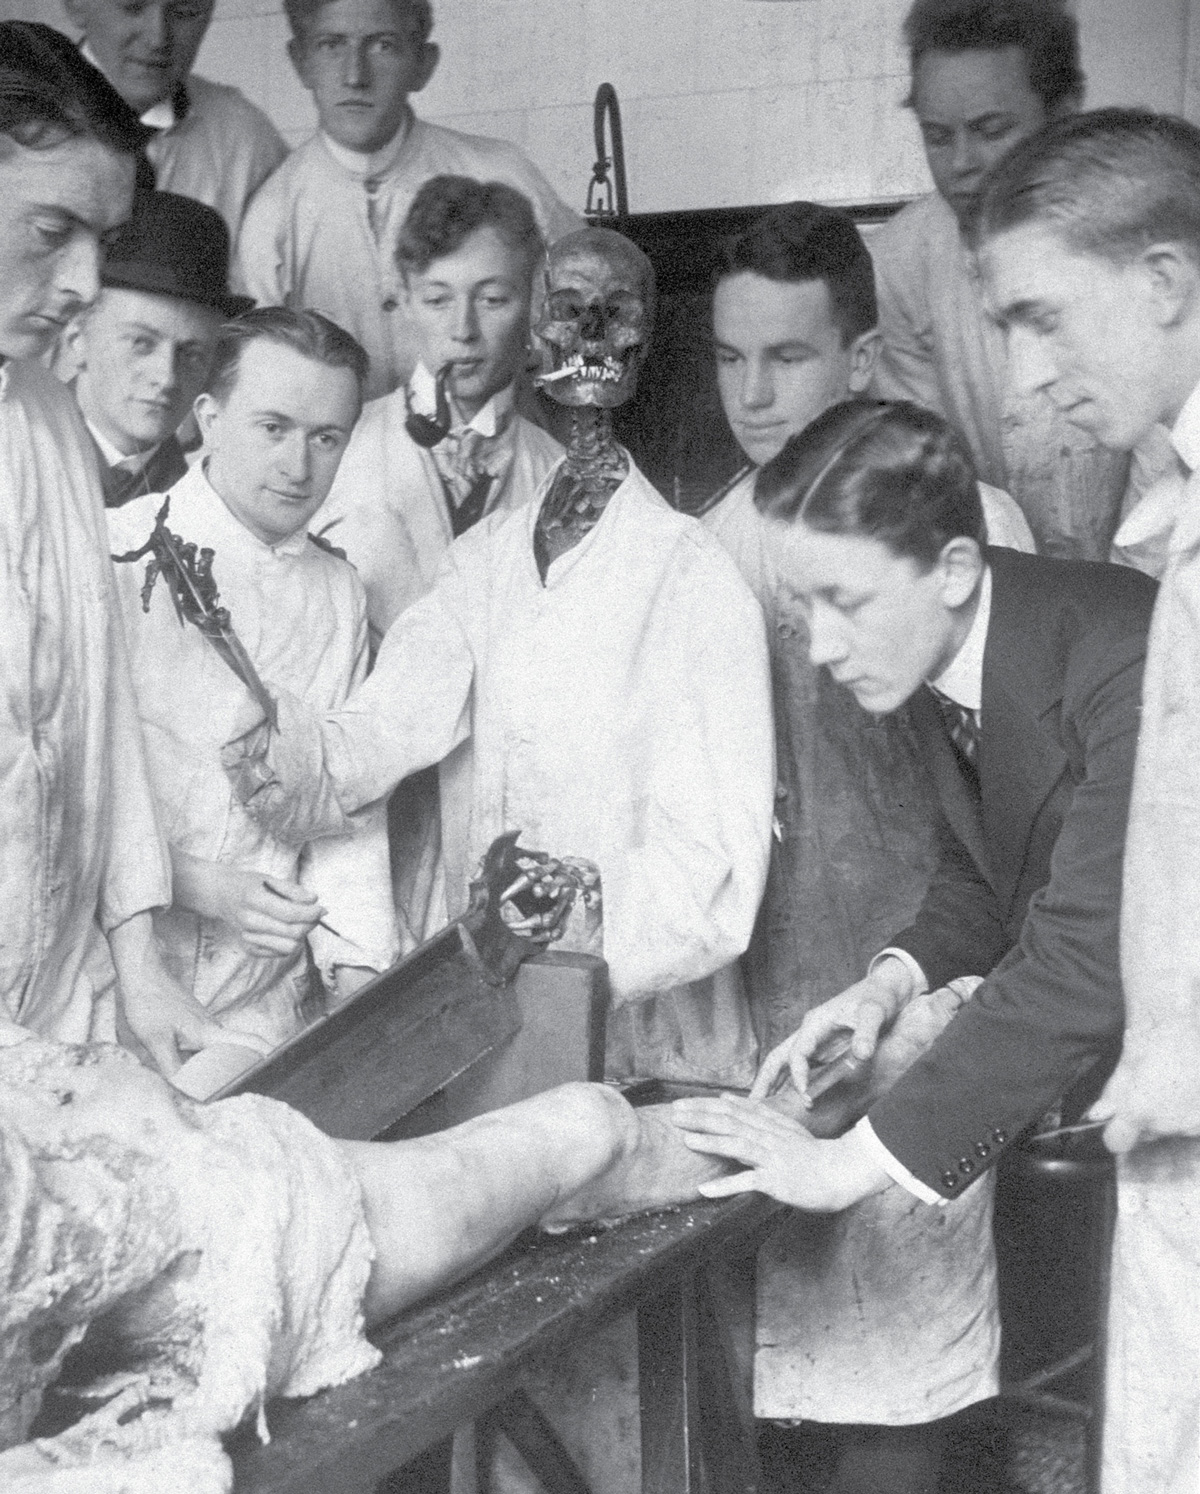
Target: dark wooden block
x=562 y=1003
x=400 y=1039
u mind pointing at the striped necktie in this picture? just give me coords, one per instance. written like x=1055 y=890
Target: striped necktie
x=962 y=727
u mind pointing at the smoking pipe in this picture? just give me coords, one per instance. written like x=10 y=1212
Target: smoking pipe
x=428 y=430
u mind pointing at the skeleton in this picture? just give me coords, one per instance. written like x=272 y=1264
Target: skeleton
x=593 y=327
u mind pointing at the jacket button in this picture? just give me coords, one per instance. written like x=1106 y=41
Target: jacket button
x=982 y=1149
x=966 y=1166
x=949 y=1180
x=390 y=304
x=999 y=1136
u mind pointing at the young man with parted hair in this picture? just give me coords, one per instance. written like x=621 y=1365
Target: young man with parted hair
x=1023 y=675
x=323 y=230
x=985 y=74
x=84 y=864
x=1090 y=247
x=870 y=1360
x=263 y=933
x=205 y=140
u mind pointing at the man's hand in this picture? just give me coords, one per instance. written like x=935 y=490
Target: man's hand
x=155 y=1015
x=1154 y=1091
x=862 y=1010
x=783 y=1160
x=270 y=915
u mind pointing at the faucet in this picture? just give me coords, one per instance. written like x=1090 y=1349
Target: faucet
x=600 y=196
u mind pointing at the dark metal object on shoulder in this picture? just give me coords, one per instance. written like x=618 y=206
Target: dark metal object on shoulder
x=187 y=573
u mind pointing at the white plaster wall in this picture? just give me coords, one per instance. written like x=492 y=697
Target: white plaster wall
x=725 y=102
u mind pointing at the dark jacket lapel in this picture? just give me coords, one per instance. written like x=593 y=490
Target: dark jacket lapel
x=1020 y=757
x=959 y=804
x=164 y=469
x=111 y=484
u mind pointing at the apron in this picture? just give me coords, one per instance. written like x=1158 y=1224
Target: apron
x=888 y=1312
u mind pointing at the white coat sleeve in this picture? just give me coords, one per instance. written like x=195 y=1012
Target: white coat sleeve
x=137 y=875
x=302 y=780
x=261 y=260
x=351 y=874
x=681 y=903
x=414 y=707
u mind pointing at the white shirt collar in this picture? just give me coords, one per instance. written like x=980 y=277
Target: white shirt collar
x=490 y=420
x=369 y=163
x=127 y=461
x=962 y=678
x=160 y=116
x=1185 y=433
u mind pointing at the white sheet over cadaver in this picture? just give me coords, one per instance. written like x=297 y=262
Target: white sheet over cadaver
x=183 y=1263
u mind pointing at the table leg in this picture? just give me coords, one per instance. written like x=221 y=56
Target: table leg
x=669 y=1384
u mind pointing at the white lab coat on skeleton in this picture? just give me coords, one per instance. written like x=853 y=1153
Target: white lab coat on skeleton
x=300 y=612
x=621 y=712
x=81 y=848
x=387 y=509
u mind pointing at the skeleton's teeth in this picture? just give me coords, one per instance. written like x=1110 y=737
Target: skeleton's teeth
x=609 y=372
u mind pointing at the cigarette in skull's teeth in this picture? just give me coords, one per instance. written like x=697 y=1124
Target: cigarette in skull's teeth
x=552 y=378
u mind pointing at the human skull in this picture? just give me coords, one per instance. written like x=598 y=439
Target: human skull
x=595 y=318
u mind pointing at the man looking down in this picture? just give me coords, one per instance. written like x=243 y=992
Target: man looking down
x=986 y=74
x=1090 y=241
x=84 y=862
x=1025 y=679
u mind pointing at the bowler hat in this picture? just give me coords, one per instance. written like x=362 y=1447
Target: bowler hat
x=174 y=246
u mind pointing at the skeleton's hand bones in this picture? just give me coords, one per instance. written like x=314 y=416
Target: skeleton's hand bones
x=538 y=902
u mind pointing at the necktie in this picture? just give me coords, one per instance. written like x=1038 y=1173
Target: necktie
x=470 y=466
x=962 y=727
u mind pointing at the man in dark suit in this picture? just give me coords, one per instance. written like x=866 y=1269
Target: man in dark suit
x=142 y=352
x=1025 y=678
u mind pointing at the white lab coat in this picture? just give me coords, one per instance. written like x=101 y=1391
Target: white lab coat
x=621 y=712
x=220 y=152
x=82 y=851
x=318 y=234
x=300 y=612
x=387 y=510
x=1152 y=1393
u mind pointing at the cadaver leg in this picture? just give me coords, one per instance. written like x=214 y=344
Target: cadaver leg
x=441 y=1205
